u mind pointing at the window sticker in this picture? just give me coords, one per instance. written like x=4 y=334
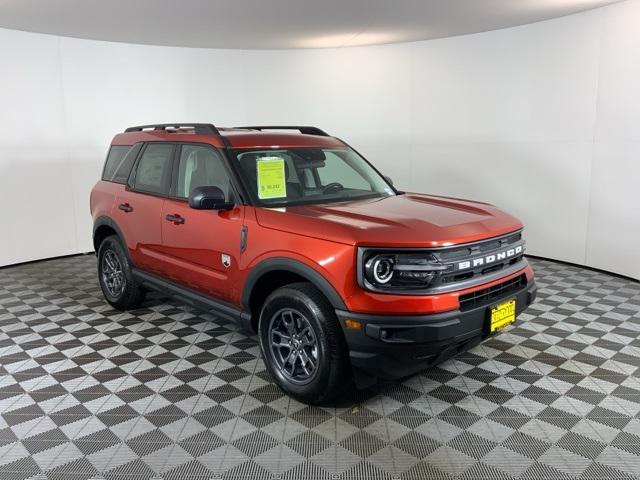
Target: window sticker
x=271 y=178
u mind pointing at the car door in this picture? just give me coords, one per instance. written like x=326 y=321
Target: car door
x=139 y=205
x=203 y=246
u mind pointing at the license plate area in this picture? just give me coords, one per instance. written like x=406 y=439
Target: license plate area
x=502 y=315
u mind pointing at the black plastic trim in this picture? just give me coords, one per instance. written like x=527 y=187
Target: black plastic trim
x=104 y=221
x=191 y=297
x=294 y=266
x=486 y=296
x=244 y=232
x=374 y=322
x=396 y=346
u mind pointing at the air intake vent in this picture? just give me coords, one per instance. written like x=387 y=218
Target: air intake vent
x=486 y=296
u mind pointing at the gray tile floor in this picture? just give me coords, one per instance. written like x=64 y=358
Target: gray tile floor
x=174 y=393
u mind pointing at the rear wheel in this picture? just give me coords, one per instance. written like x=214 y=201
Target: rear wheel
x=302 y=344
x=115 y=276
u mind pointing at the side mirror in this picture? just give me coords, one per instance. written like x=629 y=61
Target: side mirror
x=388 y=179
x=208 y=198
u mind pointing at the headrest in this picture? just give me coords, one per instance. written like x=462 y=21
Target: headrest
x=286 y=171
x=312 y=155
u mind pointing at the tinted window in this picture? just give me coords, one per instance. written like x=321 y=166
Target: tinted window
x=294 y=176
x=201 y=166
x=114 y=161
x=122 y=172
x=336 y=169
x=153 y=168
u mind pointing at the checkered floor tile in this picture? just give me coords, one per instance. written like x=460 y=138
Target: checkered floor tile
x=170 y=392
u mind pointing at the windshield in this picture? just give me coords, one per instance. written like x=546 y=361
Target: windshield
x=295 y=176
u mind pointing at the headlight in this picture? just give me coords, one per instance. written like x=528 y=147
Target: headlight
x=380 y=269
x=398 y=271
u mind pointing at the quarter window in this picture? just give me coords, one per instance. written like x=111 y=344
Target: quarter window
x=117 y=164
x=153 y=168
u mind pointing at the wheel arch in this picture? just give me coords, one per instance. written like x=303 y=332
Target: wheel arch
x=102 y=228
x=273 y=273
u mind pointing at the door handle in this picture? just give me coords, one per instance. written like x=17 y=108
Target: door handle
x=125 y=207
x=176 y=219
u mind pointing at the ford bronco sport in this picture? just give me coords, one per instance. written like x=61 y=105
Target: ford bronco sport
x=290 y=232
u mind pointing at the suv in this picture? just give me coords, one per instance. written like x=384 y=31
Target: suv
x=297 y=237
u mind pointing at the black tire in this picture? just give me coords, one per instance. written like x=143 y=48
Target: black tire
x=130 y=294
x=331 y=376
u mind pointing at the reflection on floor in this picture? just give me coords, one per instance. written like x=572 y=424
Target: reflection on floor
x=168 y=391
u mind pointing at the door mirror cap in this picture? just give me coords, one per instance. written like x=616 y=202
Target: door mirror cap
x=389 y=180
x=209 y=198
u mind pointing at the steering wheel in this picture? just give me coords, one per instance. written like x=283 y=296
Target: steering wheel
x=333 y=187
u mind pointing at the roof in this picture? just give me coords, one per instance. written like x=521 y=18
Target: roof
x=237 y=137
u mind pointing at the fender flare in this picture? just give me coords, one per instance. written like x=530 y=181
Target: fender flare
x=294 y=266
x=104 y=221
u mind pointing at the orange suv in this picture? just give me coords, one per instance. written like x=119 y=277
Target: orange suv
x=293 y=234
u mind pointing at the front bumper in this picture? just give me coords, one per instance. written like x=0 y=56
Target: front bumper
x=394 y=347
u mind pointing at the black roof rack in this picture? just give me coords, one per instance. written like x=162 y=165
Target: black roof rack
x=200 y=128
x=301 y=129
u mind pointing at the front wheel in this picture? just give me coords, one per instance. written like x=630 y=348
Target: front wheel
x=302 y=344
x=115 y=276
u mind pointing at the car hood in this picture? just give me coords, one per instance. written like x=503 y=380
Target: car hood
x=404 y=220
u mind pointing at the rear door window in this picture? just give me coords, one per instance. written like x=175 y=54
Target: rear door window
x=152 y=173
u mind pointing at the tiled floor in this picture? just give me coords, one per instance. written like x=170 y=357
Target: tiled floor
x=167 y=391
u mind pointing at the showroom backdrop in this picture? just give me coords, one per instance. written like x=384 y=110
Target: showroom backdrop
x=542 y=120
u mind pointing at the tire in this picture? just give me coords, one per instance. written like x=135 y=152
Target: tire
x=111 y=257
x=318 y=330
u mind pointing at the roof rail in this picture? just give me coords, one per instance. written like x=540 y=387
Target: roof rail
x=200 y=128
x=302 y=129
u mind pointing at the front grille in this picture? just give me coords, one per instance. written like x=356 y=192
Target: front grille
x=456 y=277
x=457 y=253
x=486 y=296
x=458 y=266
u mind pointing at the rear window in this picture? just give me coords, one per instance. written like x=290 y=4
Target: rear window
x=119 y=162
x=153 y=170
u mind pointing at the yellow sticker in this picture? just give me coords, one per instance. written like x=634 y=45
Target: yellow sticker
x=272 y=182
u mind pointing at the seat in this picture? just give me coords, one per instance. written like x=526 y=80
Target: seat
x=294 y=189
x=200 y=176
x=209 y=172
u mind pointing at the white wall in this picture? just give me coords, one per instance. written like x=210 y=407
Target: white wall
x=542 y=120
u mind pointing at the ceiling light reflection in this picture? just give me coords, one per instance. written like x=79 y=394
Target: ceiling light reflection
x=349 y=40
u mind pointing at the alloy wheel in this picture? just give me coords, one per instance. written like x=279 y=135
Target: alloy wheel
x=112 y=274
x=293 y=345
